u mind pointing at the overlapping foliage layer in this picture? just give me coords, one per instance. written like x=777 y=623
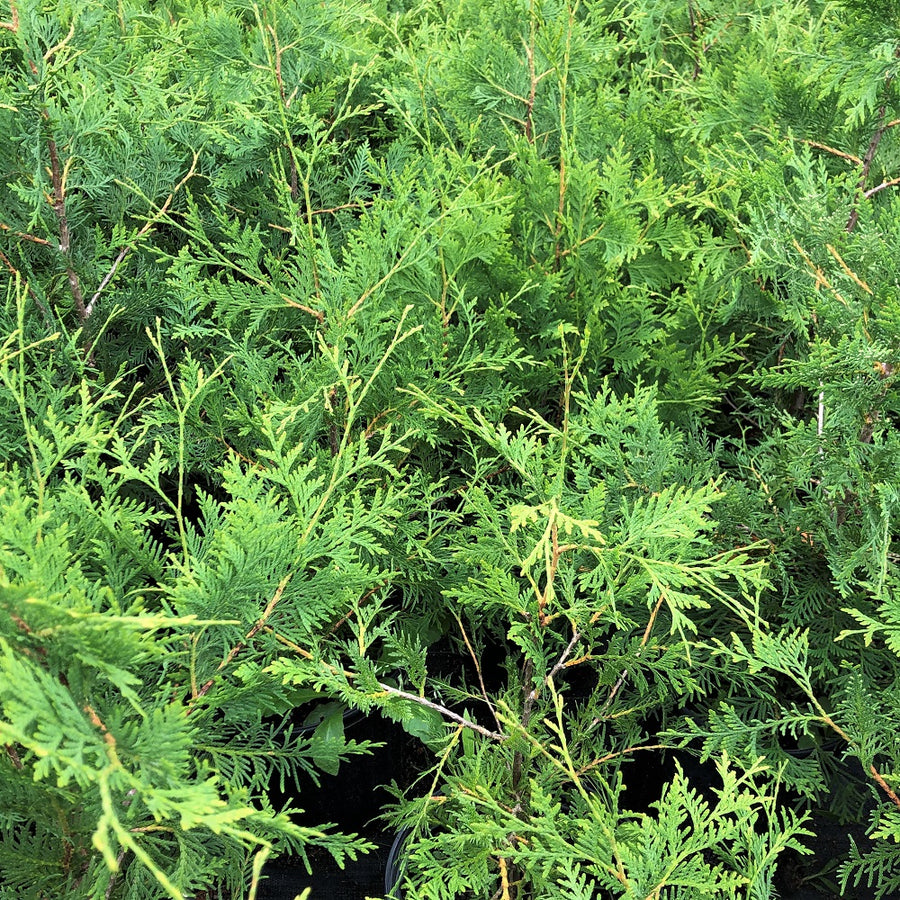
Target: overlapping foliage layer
x=334 y=331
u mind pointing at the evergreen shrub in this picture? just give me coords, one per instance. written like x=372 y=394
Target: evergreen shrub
x=337 y=334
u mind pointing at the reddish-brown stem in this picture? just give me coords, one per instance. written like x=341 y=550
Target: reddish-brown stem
x=238 y=647
x=484 y=692
x=869 y=157
x=371 y=427
x=697 y=53
x=14 y=756
x=580 y=243
x=611 y=756
x=24 y=236
x=653 y=615
x=362 y=204
x=867 y=164
x=349 y=614
x=254 y=464
x=316 y=314
x=58 y=177
x=99 y=724
x=13 y=23
x=532 y=91
x=879 y=778
x=112 y=881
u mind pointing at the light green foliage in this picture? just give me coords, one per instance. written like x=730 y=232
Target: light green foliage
x=337 y=336
x=689 y=846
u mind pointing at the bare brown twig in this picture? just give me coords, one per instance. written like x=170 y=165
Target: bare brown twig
x=876 y=775
x=880 y=187
x=474 y=726
x=869 y=157
x=848 y=156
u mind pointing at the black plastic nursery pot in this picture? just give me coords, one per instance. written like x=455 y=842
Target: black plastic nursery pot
x=352 y=800
x=393 y=867
x=396 y=863
x=361 y=878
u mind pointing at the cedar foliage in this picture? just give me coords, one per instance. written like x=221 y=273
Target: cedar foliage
x=334 y=330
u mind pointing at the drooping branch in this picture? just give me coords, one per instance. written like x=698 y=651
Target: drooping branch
x=389 y=689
